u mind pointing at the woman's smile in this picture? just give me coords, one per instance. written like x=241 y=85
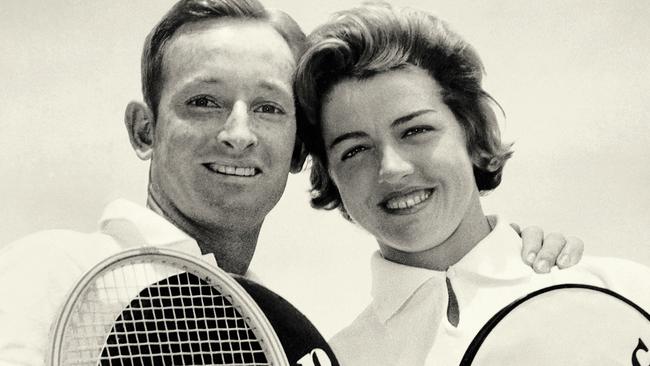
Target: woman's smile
x=403 y=203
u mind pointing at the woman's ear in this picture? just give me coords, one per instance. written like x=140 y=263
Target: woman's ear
x=139 y=122
x=484 y=161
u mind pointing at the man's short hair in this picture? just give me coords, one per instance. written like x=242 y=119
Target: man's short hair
x=190 y=11
x=376 y=38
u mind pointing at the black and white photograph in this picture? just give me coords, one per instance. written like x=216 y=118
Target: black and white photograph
x=281 y=182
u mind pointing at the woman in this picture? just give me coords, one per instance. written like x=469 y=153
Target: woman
x=404 y=140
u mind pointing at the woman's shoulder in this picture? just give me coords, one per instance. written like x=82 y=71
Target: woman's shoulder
x=623 y=276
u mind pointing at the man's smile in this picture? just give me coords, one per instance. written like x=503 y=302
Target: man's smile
x=233 y=170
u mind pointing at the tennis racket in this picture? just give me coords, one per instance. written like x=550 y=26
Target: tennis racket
x=151 y=306
x=568 y=324
x=302 y=343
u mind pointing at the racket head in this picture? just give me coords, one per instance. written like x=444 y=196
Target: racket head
x=568 y=324
x=117 y=286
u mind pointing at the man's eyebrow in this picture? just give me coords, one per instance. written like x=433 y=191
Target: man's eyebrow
x=203 y=81
x=274 y=86
x=346 y=136
x=269 y=85
x=209 y=80
x=410 y=116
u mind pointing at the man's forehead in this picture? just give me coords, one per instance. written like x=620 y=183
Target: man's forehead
x=239 y=39
x=226 y=24
x=222 y=34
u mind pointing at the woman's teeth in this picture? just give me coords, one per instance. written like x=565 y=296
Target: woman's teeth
x=408 y=200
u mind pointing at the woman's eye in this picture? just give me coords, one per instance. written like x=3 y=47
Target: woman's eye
x=352 y=152
x=416 y=131
x=203 y=102
x=269 y=108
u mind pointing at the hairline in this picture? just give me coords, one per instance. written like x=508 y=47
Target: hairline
x=152 y=98
x=220 y=22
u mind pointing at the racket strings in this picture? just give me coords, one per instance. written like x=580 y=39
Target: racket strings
x=181 y=320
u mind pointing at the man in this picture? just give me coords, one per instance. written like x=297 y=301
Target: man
x=219 y=126
x=221 y=132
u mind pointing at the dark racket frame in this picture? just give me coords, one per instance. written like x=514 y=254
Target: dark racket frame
x=477 y=342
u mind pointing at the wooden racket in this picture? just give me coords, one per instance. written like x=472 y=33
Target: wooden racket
x=152 y=306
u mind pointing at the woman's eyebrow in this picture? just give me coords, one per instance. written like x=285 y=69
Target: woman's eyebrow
x=395 y=123
x=346 y=136
x=410 y=116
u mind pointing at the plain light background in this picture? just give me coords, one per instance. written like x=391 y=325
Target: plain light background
x=573 y=78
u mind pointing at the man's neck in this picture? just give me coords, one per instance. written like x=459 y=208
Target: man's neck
x=233 y=246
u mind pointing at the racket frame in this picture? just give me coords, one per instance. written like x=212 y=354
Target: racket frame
x=209 y=273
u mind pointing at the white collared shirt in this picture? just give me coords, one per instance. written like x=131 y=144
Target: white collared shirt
x=38 y=271
x=406 y=322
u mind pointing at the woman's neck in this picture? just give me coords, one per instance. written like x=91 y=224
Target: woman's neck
x=473 y=228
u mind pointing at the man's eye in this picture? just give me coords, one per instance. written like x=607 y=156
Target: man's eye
x=203 y=102
x=352 y=152
x=416 y=131
x=269 y=108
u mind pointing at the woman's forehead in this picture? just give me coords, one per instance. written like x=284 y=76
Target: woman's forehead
x=383 y=97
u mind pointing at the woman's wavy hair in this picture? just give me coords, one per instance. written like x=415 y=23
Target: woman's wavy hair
x=190 y=11
x=376 y=38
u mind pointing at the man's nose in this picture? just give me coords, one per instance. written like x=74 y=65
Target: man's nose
x=393 y=166
x=236 y=133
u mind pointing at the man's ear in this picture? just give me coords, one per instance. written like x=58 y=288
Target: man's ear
x=299 y=156
x=139 y=122
x=299 y=150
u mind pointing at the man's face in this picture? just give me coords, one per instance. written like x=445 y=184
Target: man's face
x=226 y=123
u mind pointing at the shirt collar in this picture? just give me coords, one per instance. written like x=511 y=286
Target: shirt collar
x=495 y=257
x=393 y=284
x=134 y=226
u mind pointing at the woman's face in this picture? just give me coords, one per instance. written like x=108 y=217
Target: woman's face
x=399 y=159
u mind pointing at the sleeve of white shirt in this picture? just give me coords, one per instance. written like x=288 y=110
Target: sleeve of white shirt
x=36 y=273
x=626 y=277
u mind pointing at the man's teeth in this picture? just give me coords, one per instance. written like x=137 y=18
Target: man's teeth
x=232 y=170
x=408 y=200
